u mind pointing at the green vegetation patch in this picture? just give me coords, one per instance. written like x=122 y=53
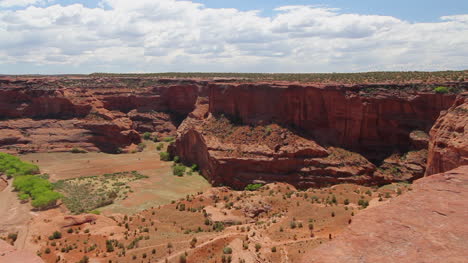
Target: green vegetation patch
x=39 y=190
x=27 y=183
x=85 y=194
x=253 y=187
x=13 y=166
x=442 y=90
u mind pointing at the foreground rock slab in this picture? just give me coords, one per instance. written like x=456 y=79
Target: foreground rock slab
x=8 y=254
x=428 y=224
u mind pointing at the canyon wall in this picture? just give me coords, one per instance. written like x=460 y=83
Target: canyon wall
x=365 y=118
x=310 y=135
x=59 y=114
x=241 y=133
x=448 y=147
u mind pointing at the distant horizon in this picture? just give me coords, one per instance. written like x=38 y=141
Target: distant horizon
x=220 y=72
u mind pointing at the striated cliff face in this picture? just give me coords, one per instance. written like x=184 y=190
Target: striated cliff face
x=427 y=224
x=237 y=154
x=368 y=119
x=448 y=146
x=58 y=114
x=309 y=135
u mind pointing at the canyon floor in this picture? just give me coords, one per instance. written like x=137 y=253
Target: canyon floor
x=166 y=216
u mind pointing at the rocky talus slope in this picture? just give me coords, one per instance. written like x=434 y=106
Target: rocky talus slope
x=427 y=224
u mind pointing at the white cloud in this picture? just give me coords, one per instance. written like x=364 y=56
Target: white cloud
x=169 y=35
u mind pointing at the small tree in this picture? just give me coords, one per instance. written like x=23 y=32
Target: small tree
x=164 y=156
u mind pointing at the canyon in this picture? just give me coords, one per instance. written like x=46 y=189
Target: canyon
x=240 y=133
x=295 y=171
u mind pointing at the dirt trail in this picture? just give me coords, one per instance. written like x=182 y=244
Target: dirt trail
x=14 y=216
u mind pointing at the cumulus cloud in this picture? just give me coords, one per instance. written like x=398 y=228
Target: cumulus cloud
x=170 y=35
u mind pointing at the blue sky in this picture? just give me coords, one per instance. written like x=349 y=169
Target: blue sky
x=410 y=10
x=59 y=36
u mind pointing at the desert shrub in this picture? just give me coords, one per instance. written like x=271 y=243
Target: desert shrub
x=168 y=139
x=147 y=136
x=55 y=235
x=178 y=170
x=13 y=236
x=273 y=249
x=363 y=203
x=346 y=202
x=164 y=156
x=109 y=246
x=77 y=150
x=183 y=258
x=159 y=146
x=218 y=226
x=253 y=187
x=227 y=250
x=258 y=247
x=442 y=90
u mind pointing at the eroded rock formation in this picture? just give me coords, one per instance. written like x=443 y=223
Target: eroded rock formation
x=249 y=133
x=427 y=224
x=106 y=114
x=448 y=147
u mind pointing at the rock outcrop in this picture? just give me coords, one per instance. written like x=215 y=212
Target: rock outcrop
x=369 y=119
x=9 y=254
x=427 y=224
x=448 y=147
x=105 y=114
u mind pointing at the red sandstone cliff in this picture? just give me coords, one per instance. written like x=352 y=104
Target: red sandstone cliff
x=250 y=133
x=448 y=147
x=427 y=224
x=368 y=119
x=58 y=114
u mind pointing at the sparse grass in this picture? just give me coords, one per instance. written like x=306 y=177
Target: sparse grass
x=85 y=194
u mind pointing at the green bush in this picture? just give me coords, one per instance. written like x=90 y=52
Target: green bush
x=159 y=146
x=227 y=250
x=147 y=136
x=169 y=139
x=178 y=170
x=164 y=156
x=253 y=187
x=442 y=90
